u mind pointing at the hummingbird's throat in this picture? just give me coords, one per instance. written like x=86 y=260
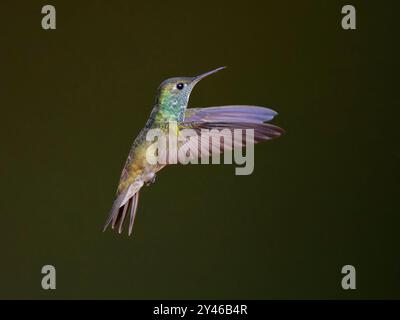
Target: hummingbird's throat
x=172 y=108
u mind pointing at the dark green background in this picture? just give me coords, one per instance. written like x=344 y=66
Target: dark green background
x=324 y=195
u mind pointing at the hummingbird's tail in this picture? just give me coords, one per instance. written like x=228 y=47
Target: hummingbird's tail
x=126 y=201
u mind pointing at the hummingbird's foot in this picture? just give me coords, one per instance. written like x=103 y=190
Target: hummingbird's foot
x=152 y=180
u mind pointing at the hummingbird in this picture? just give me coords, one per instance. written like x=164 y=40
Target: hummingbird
x=171 y=105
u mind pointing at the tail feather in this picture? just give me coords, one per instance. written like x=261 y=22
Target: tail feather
x=134 y=206
x=113 y=215
x=121 y=220
x=118 y=212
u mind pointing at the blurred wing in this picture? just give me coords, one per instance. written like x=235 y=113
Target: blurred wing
x=222 y=137
x=237 y=114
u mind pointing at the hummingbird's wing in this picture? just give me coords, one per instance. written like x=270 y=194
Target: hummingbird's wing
x=238 y=113
x=223 y=138
x=221 y=123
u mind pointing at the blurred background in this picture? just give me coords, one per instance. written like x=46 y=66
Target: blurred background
x=324 y=195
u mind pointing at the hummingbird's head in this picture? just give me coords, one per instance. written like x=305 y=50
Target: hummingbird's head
x=173 y=94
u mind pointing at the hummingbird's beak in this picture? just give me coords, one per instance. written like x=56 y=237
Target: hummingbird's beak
x=202 y=76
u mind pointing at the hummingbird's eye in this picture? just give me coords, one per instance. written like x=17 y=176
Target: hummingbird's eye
x=180 y=86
